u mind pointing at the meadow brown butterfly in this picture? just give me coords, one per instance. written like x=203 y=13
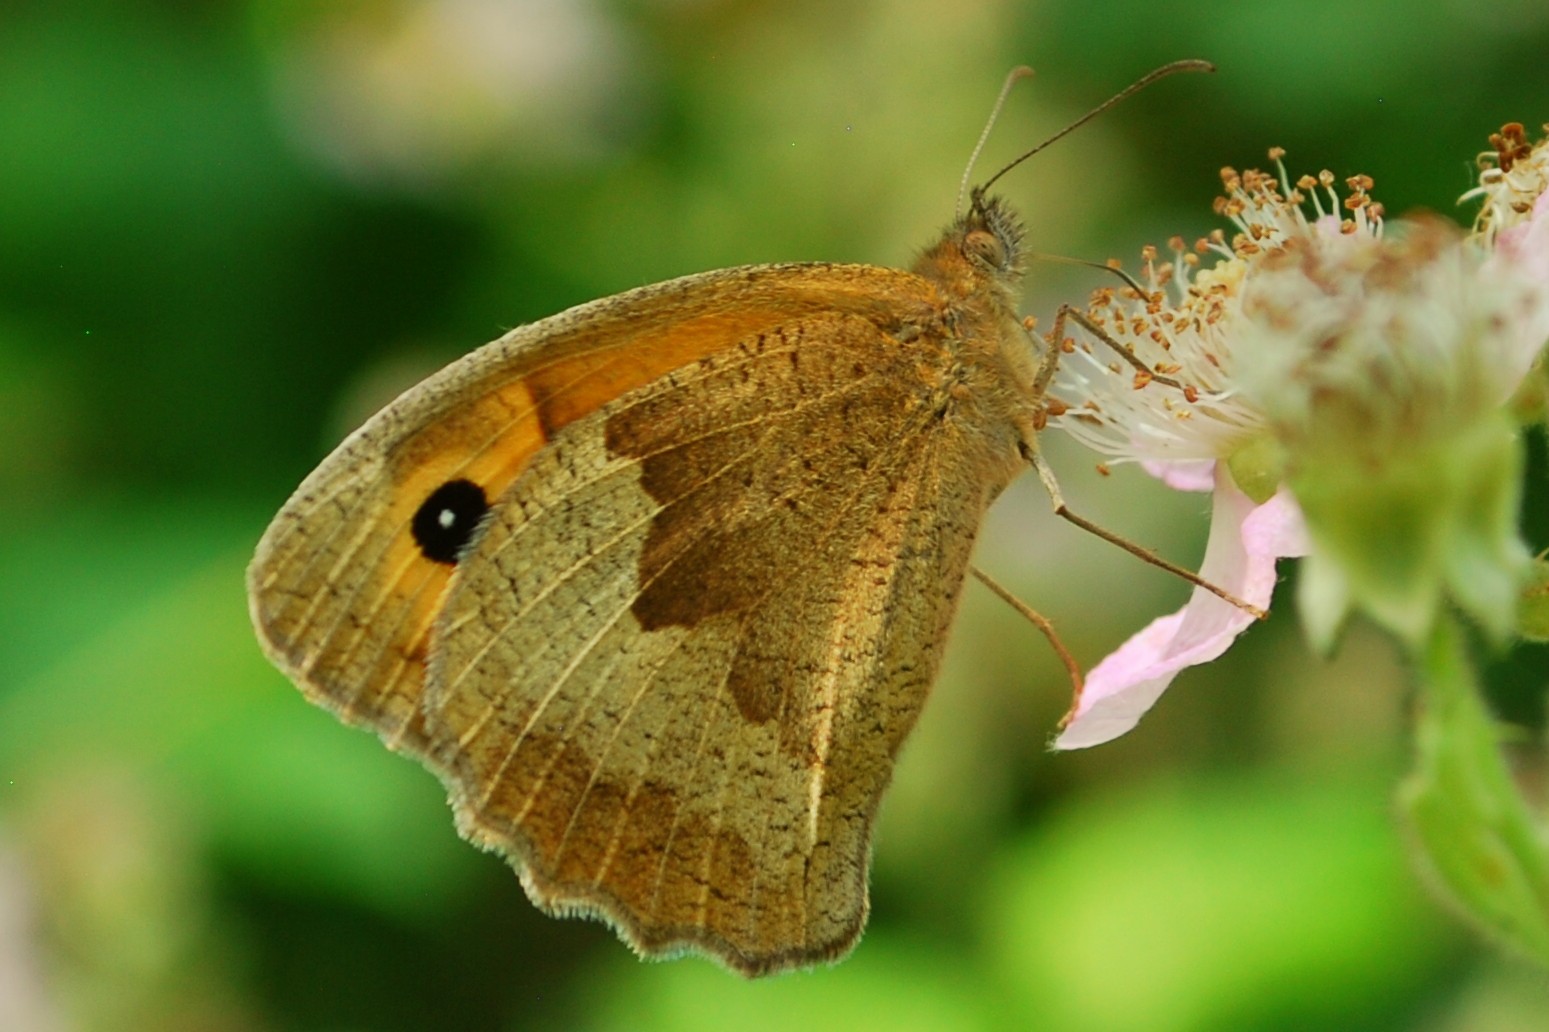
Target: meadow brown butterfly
x=657 y=586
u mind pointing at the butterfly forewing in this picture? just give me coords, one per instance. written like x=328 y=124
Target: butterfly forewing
x=342 y=590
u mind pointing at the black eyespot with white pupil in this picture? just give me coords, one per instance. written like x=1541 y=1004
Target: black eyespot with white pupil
x=447 y=519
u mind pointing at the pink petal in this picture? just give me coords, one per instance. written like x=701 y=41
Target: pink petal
x=1528 y=242
x=1525 y=246
x=1245 y=541
x=1183 y=474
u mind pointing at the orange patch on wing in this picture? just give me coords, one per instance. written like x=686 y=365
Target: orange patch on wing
x=581 y=384
x=489 y=443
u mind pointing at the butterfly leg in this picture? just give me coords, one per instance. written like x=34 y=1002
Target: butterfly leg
x=1055 y=343
x=1051 y=485
x=1144 y=374
x=1038 y=620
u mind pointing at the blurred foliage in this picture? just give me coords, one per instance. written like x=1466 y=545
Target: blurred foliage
x=232 y=229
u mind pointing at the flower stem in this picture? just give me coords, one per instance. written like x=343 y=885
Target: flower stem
x=1484 y=846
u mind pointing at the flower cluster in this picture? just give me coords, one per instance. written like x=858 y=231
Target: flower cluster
x=1339 y=380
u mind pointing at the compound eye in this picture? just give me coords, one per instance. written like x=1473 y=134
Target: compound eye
x=985 y=246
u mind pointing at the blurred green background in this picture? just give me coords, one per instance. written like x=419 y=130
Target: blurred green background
x=230 y=230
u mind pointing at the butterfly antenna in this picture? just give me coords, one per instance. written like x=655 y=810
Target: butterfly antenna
x=1134 y=87
x=1012 y=77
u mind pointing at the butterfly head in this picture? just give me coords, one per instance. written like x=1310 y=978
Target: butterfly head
x=993 y=236
x=981 y=253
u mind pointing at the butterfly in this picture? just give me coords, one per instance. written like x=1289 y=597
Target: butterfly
x=658 y=586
